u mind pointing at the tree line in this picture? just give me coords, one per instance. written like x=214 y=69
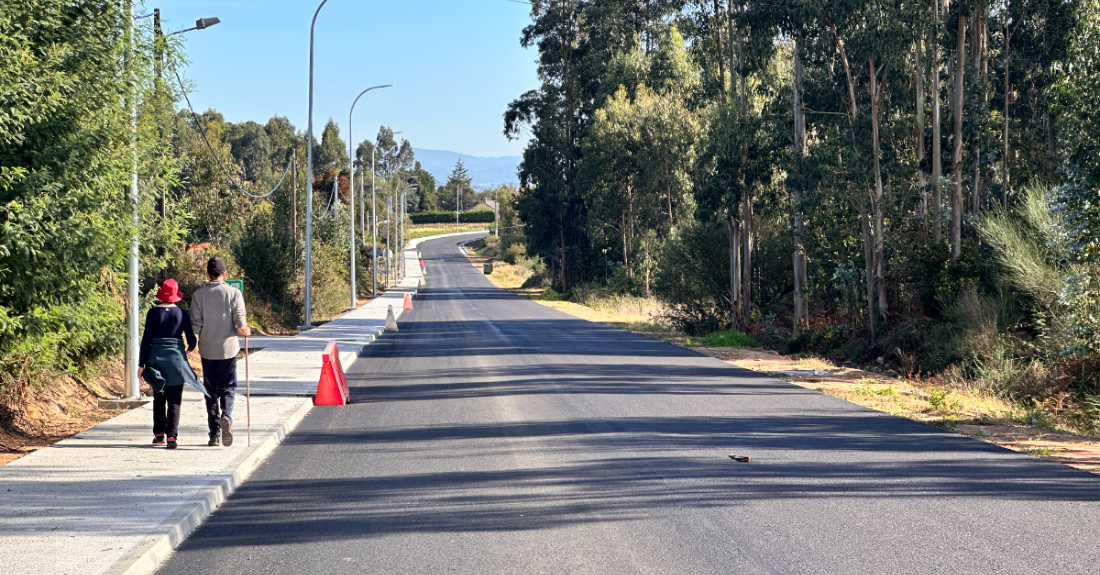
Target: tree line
x=827 y=173
x=207 y=186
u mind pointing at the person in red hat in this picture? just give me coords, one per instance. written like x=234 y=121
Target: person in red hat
x=162 y=362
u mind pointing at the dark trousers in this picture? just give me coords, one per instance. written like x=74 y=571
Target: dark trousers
x=166 y=410
x=220 y=378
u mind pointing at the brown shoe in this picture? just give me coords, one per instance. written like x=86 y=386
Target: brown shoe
x=214 y=441
x=227 y=431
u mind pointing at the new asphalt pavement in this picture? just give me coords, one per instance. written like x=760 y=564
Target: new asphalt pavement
x=495 y=435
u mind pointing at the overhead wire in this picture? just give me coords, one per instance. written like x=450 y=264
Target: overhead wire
x=217 y=160
x=331 y=199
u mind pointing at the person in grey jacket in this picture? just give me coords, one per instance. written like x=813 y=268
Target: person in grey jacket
x=218 y=317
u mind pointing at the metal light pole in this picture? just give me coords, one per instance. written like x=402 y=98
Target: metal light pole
x=389 y=244
x=133 y=288
x=351 y=191
x=133 y=340
x=309 y=181
x=374 y=228
x=404 y=228
x=402 y=212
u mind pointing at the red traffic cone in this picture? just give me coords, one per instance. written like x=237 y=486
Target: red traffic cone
x=408 y=301
x=332 y=389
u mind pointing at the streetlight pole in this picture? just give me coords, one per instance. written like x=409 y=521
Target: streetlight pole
x=133 y=287
x=309 y=181
x=351 y=191
x=389 y=244
x=401 y=213
x=133 y=340
x=374 y=227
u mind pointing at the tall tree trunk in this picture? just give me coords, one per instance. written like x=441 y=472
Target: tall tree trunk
x=720 y=47
x=1006 y=185
x=801 y=309
x=746 y=263
x=937 y=152
x=626 y=253
x=979 y=64
x=879 y=231
x=746 y=208
x=733 y=47
x=735 y=267
x=922 y=184
x=956 y=163
x=868 y=259
x=735 y=226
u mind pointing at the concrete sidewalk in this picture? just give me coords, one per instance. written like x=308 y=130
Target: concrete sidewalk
x=106 y=501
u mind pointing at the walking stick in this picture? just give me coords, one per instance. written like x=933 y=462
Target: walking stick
x=247 y=393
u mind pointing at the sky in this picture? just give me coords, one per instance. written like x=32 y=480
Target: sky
x=454 y=65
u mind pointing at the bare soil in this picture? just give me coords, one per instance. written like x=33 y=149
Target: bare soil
x=43 y=415
x=46 y=414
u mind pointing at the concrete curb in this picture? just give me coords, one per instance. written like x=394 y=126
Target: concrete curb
x=147 y=557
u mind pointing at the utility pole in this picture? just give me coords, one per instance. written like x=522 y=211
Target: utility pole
x=294 y=211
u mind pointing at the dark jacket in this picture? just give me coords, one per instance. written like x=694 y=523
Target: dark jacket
x=167 y=365
x=166 y=321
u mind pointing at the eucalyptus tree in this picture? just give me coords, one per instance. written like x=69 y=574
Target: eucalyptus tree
x=331 y=151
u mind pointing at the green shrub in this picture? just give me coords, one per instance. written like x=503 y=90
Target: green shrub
x=266 y=256
x=730 y=338
x=550 y=295
x=330 y=281
x=479 y=217
x=693 y=280
x=513 y=252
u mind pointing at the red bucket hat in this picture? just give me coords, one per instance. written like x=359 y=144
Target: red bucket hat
x=169 y=292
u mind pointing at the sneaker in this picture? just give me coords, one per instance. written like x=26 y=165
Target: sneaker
x=158 y=439
x=227 y=431
x=171 y=443
x=214 y=441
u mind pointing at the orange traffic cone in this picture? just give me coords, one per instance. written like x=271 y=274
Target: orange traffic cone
x=408 y=301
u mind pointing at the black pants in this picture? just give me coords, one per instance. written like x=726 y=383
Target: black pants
x=220 y=378
x=166 y=410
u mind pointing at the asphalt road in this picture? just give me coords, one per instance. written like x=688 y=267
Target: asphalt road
x=494 y=435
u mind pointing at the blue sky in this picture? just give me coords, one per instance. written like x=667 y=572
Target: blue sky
x=455 y=66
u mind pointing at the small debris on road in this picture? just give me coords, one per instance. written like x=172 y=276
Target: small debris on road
x=741 y=458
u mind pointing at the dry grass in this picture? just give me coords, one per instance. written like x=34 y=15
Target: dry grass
x=424 y=230
x=634 y=322
x=507 y=276
x=955 y=406
x=967 y=411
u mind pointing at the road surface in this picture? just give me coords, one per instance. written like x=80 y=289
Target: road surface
x=495 y=435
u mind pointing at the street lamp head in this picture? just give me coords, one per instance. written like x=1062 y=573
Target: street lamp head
x=204 y=23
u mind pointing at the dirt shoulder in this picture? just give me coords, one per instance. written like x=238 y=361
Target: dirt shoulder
x=967 y=412
x=43 y=415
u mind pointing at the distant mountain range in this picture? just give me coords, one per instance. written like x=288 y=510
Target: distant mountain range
x=485 y=172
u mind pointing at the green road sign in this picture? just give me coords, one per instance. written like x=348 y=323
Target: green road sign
x=237 y=284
